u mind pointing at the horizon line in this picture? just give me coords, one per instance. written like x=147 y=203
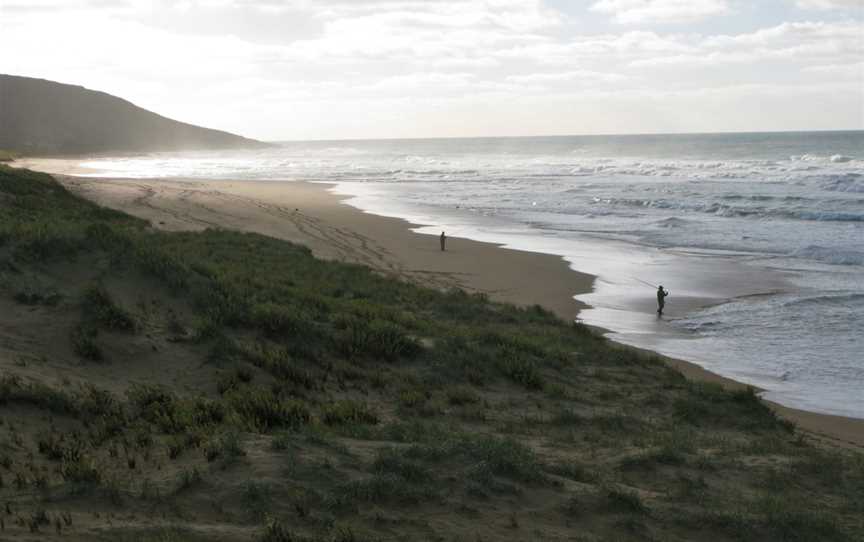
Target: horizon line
x=605 y=134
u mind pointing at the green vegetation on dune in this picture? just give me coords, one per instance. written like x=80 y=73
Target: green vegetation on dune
x=7 y=156
x=322 y=401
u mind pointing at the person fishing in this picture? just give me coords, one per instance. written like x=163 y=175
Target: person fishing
x=443 y=240
x=661 y=299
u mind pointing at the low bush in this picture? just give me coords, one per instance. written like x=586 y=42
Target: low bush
x=227 y=448
x=348 y=412
x=521 y=370
x=392 y=461
x=623 y=500
x=101 y=308
x=377 y=339
x=264 y=411
x=84 y=343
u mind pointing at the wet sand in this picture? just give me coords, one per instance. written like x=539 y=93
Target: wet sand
x=312 y=215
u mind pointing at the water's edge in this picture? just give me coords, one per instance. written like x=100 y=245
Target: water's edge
x=628 y=316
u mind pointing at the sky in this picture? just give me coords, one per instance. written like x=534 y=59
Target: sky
x=345 y=69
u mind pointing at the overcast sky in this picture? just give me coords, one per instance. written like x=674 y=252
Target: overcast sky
x=336 y=69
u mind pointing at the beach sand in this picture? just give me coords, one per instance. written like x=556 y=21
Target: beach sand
x=309 y=214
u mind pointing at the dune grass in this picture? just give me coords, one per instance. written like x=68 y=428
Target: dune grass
x=330 y=402
x=8 y=156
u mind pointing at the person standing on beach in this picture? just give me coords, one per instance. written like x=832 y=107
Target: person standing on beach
x=443 y=240
x=661 y=299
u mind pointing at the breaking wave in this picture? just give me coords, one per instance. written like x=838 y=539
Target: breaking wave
x=829 y=255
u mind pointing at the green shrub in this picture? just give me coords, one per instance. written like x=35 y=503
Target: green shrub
x=57 y=448
x=84 y=343
x=710 y=403
x=283 y=321
x=227 y=382
x=378 y=489
x=348 y=412
x=622 y=500
x=161 y=407
x=228 y=449
x=392 y=461
x=376 y=339
x=14 y=389
x=81 y=471
x=278 y=362
x=100 y=307
x=98 y=402
x=507 y=457
x=274 y=531
x=520 y=370
x=257 y=500
x=34 y=294
x=44 y=241
x=460 y=396
x=188 y=479
x=264 y=411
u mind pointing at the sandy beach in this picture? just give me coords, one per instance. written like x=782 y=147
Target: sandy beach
x=308 y=213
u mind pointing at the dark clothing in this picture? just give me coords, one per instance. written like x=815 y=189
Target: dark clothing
x=443 y=240
x=661 y=299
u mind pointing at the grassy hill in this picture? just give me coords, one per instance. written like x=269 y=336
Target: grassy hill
x=225 y=386
x=44 y=117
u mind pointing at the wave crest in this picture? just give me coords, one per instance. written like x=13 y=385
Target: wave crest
x=829 y=255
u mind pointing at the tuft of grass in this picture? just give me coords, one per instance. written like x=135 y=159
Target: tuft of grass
x=275 y=531
x=102 y=309
x=624 y=501
x=393 y=462
x=227 y=449
x=264 y=411
x=790 y=520
x=711 y=404
x=84 y=343
x=521 y=370
x=380 y=488
x=282 y=321
x=348 y=412
x=81 y=471
x=35 y=294
x=507 y=457
x=7 y=155
x=376 y=339
x=14 y=389
x=461 y=396
x=257 y=500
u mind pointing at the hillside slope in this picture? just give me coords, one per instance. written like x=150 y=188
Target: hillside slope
x=39 y=116
x=222 y=386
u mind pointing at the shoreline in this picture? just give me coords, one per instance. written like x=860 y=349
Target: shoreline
x=311 y=214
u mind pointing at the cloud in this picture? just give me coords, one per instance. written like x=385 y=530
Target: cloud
x=853 y=70
x=804 y=42
x=365 y=68
x=660 y=11
x=580 y=76
x=830 y=4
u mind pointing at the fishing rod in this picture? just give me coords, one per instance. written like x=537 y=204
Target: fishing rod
x=645 y=283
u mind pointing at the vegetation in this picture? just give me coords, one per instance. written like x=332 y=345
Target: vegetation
x=7 y=156
x=245 y=388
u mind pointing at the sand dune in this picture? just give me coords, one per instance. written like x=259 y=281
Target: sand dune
x=309 y=214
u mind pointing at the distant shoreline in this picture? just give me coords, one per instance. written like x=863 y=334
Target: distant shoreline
x=335 y=230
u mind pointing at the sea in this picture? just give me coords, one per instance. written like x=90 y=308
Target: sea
x=759 y=237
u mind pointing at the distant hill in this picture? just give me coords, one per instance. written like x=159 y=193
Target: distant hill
x=40 y=116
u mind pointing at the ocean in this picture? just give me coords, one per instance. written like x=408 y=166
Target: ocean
x=758 y=237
